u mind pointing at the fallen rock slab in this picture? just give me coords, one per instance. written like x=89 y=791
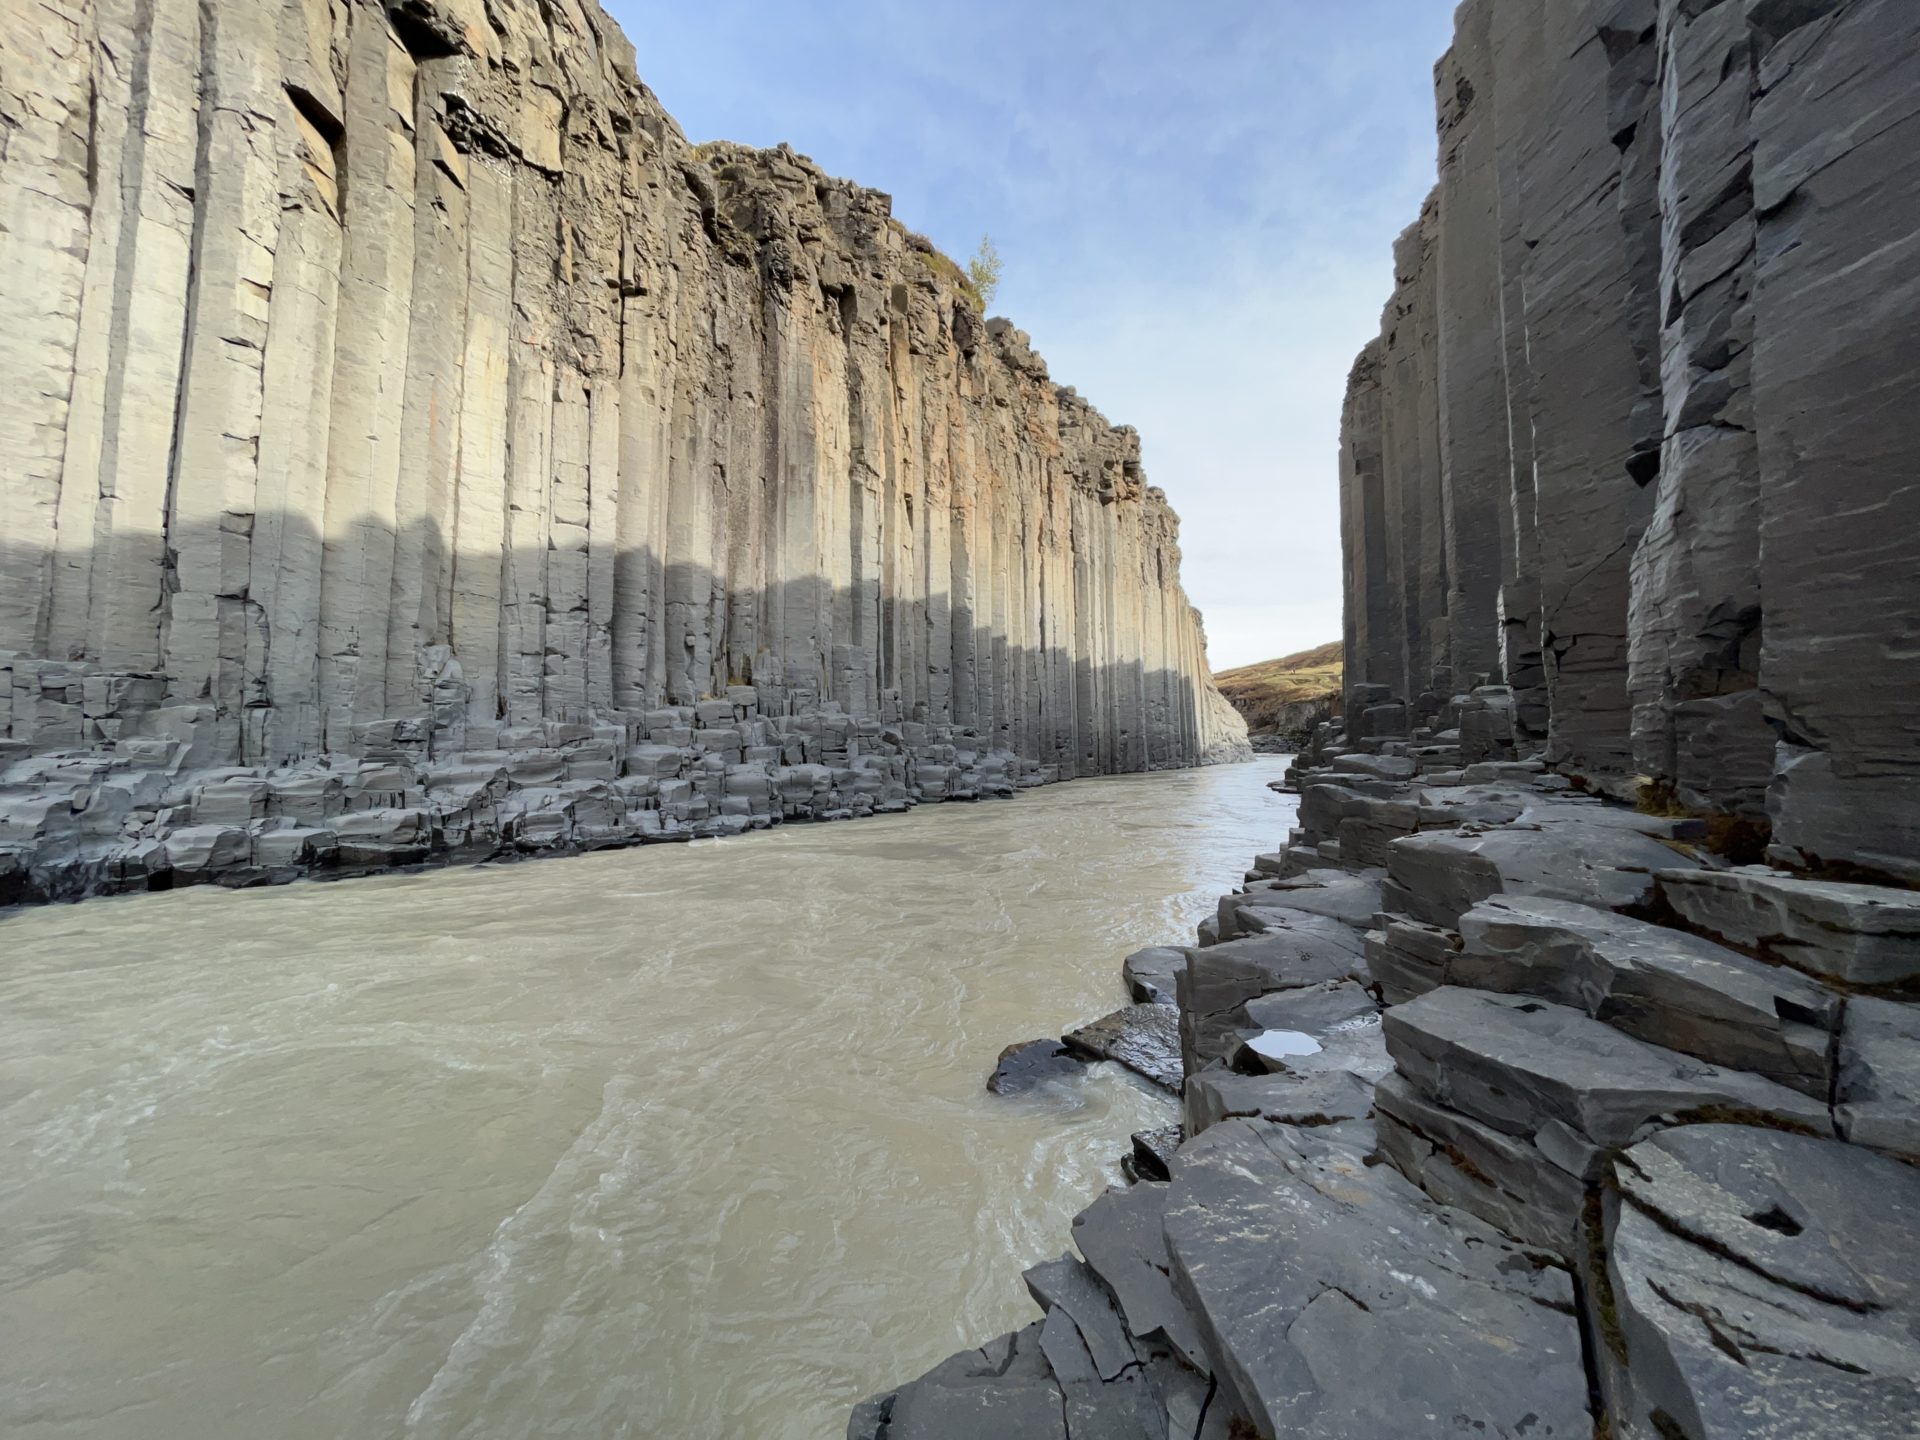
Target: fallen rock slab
x=1336 y=1300
x=1144 y=1038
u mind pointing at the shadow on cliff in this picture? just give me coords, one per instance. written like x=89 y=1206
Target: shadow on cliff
x=286 y=642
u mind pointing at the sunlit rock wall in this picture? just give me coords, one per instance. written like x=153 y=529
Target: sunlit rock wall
x=396 y=376
x=1662 y=304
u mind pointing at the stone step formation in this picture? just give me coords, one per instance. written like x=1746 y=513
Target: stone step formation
x=1583 y=1156
x=1560 y=1075
x=410 y=438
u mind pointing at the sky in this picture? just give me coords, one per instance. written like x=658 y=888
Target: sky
x=1195 y=205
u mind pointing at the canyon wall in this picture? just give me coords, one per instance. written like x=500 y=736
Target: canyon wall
x=1628 y=477
x=394 y=382
x=1511 y=1108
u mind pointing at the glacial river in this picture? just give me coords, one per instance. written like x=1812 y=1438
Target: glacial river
x=685 y=1142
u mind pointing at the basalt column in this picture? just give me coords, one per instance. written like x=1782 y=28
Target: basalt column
x=392 y=379
x=1674 y=266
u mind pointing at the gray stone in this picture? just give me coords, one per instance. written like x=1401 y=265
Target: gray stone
x=1217 y=1093
x=1151 y=974
x=1406 y=958
x=1152 y=1155
x=1663 y=986
x=1069 y=1285
x=1337 y=1300
x=1437 y=877
x=1764 y=1286
x=1219 y=980
x=1121 y=1236
x=1353 y=899
x=1877 y=1094
x=1860 y=934
x=1521 y=1065
x=1144 y=1038
x=1504 y=1179
x=1028 y=1064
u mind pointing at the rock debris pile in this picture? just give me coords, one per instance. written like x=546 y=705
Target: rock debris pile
x=413 y=445
x=1560 y=1076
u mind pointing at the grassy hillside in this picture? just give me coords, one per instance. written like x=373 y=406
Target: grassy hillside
x=1283 y=694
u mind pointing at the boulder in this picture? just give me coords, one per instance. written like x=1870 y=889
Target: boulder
x=1026 y=1065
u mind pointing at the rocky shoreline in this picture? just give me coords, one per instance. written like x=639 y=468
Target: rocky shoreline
x=80 y=824
x=421 y=449
x=1509 y=1110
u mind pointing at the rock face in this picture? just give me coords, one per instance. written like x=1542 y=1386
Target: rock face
x=1474 y=1145
x=1627 y=474
x=1511 y=1109
x=392 y=384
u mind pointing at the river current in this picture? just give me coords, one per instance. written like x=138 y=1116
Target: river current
x=685 y=1141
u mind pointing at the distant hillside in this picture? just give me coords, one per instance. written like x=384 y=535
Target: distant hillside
x=1288 y=694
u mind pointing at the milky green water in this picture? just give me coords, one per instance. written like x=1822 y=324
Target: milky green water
x=680 y=1141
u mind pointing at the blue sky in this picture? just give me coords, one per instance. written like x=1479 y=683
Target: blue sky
x=1196 y=206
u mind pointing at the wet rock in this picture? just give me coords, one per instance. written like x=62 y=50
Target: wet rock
x=1032 y=1063
x=1860 y=934
x=1661 y=985
x=1153 y=1152
x=1151 y=974
x=1337 y=1300
x=1764 y=1286
x=1144 y=1038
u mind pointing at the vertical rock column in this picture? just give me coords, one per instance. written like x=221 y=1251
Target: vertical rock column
x=1836 y=392
x=1473 y=447
x=1696 y=613
x=1417 y=532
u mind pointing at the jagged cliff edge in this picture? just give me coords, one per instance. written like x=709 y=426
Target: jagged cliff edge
x=412 y=444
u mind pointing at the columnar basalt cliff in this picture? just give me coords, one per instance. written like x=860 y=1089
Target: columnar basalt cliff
x=1511 y=1108
x=392 y=393
x=1632 y=461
